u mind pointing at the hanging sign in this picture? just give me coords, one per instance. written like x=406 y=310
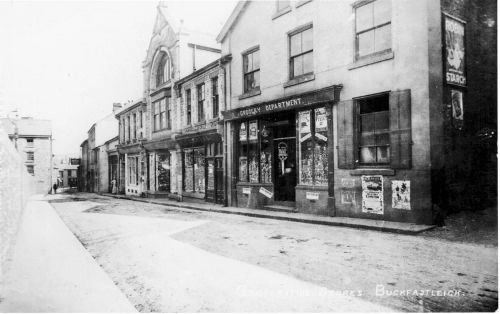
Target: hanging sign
x=372 y=194
x=454 y=31
x=266 y=192
x=401 y=194
x=282 y=155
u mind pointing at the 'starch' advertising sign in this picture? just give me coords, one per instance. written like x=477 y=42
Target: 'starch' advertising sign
x=454 y=32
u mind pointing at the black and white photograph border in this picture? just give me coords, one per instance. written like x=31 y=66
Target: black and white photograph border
x=248 y=156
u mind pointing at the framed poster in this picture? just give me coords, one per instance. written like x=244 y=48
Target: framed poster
x=457 y=105
x=252 y=136
x=454 y=45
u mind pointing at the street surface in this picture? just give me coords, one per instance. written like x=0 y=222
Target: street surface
x=178 y=260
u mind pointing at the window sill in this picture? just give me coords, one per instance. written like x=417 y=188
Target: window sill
x=299 y=80
x=372 y=172
x=312 y=187
x=301 y=3
x=371 y=59
x=282 y=12
x=253 y=92
x=253 y=184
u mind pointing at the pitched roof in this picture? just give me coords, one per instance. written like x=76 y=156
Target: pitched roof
x=233 y=18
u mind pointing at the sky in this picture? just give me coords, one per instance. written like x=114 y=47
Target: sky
x=70 y=61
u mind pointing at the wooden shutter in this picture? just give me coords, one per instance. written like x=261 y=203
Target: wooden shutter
x=345 y=133
x=400 y=124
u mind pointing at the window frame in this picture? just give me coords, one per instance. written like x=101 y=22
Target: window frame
x=373 y=28
x=215 y=96
x=244 y=55
x=189 y=109
x=30 y=156
x=300 y=30
x=30 y=142
x=30 y=169
x=163 y=69
x=358 y=131
x=200 y=98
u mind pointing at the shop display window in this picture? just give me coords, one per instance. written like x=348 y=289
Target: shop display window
x=255 y=152
x=163 y=171
x=313 y=147
x=199 y=170
x=188 y=170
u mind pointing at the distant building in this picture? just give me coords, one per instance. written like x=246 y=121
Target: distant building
x=94 y=168
x=65 y=171
x=33 y=139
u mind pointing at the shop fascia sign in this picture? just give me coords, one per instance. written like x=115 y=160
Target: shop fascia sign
x=268 y=108
x=326 y=94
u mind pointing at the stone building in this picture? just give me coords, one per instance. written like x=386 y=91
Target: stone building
x=175 y=51
x=33 y=140
x=345 y=108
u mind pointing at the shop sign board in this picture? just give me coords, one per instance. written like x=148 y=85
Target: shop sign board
x=266 y=192
x=372 y=194
x=293 y=102
x=454 y=32
x=312 y=196
x=401 y=195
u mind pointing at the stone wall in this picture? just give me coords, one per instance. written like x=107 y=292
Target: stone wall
x=15 y=188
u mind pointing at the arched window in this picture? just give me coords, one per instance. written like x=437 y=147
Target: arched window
x=163 y=69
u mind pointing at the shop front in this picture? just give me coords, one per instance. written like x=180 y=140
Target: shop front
x=202 y=166
x=161 y=168
x=282 y=153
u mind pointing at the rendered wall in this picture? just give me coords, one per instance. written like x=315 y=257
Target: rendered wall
x=15 y=188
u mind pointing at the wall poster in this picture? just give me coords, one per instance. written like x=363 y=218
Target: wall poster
x=454 y=32
x=243 y=132
x=457 y=105
x=372 y=194
x=401 y=195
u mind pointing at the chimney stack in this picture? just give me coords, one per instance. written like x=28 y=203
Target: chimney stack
x=116 y=107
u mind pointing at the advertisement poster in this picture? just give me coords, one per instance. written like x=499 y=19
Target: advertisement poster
x=457 y=105
x=253 y=131
x=401 y=195
x=321 y=122
x=372 y=194
x=454 y=32
x=243 y=132
x=305 y=124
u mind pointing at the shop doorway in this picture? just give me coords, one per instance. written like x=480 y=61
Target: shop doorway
x=285 y=174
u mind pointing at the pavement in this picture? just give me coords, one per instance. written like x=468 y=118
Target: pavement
x=50 y=270
x=369 y=224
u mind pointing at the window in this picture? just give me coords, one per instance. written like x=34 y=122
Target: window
x=163 y=70
x=313 y=147
x=188 y=106
x=282 y=5
x=251 y=71
x=30 y=156
x=31 y=169
x=169 y=113
x=161 y=114
x=373 y=28
x=134 y=126
x=128 y=128
x=215 y=97
x=301 y=52
x=140 y=117
x=156 y=115
x=163 y=171
x=373 y=131
x=29 y=142
x=201 y=102
x=255 y=162
x=194 y=170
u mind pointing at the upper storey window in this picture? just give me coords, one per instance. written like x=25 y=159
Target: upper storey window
x=373 y=28
x=251 y=70
x=163 y=69
x=282 y=5
x=301 y=52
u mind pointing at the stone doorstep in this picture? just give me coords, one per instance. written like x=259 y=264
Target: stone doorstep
x=360 y=223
